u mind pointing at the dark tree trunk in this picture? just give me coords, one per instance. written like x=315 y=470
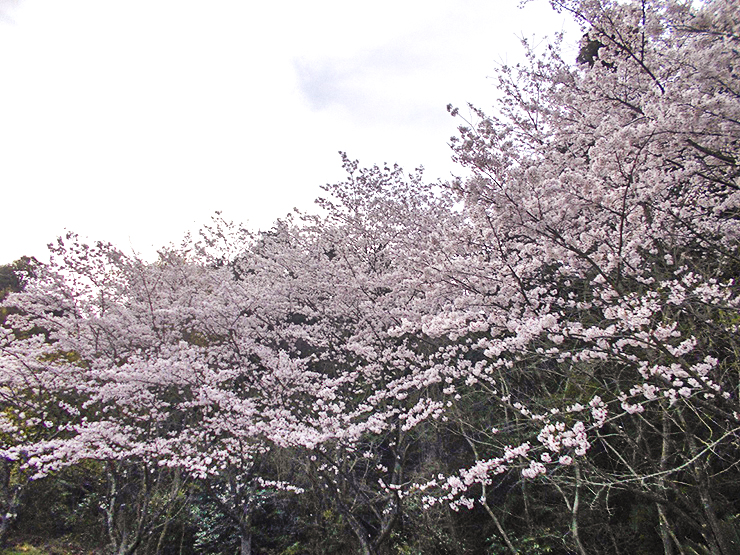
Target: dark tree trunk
x=245 y=542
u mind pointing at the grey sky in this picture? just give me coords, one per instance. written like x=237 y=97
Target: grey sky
x=6 y=9
x=361 y=84
x=134 y=121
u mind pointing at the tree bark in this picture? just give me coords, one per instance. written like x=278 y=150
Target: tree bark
x=574 y=512
x=663 y=524
x=500 y=528
x=245 y=546
x=713 y=532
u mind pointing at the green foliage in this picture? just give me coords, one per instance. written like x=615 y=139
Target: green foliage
x=214 y=534
x=12 y=279
x=23 y=549
x=524 y=545
x=66 y=503
x=334 y=534
x=44 y=546
x=14 y=275
x=295 y=549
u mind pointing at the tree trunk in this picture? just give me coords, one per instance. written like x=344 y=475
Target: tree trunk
x=358 y=529
x=576 y=505
x=11 y=509
x=713 y=533
x=246 y=542
x=663 y=524
x=500 y=528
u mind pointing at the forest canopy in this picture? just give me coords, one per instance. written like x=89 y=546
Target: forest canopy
x=541 y=357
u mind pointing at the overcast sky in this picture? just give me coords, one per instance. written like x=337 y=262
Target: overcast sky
x=134 y=121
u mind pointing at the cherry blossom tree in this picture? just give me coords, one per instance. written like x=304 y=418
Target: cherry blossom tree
x=559 y=325
x=141 y=366
x=334 y=290
x=607 y=197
